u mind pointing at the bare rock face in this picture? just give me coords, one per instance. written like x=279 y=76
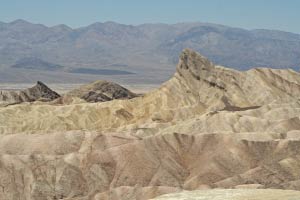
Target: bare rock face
x=194 y=66
x=207 y=127
x=100 y=91
x=38 y=92
x=220 y=86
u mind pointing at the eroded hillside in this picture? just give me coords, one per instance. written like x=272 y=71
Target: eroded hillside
x=207 y=127
x=198 y=88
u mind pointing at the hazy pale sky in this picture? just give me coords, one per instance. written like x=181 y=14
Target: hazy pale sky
x=250 y=14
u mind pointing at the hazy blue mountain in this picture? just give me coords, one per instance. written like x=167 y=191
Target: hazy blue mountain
x=144 y=49
x=240 y=48
x=99 y=71
x=36 y=64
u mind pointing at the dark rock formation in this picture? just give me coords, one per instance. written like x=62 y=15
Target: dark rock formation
x=38 y=92
x=100 y=91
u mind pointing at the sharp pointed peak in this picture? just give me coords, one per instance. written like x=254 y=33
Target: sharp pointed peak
x=61 y=26
x=193 y=62
x=40 y=83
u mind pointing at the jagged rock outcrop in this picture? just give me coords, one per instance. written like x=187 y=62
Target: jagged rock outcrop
x=38 y=92
x=100 y=91
x=207 y=127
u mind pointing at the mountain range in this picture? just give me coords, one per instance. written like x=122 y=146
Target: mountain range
x=138 y=53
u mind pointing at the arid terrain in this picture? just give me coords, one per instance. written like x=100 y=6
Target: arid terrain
x=207 y=127
x=234 y=195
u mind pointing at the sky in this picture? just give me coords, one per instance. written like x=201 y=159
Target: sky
x=250 y=14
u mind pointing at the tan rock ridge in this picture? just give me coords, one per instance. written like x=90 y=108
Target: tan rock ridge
x=197 y=87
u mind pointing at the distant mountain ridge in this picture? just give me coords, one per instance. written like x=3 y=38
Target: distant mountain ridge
x=145 y=48
x=33 y=63
x=36 y=63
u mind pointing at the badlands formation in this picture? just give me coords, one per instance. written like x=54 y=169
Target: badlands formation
x=38 y=92
x=207 y=127
x=100 y=91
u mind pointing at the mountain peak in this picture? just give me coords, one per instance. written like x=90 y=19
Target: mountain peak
x=20 y=22
x=194 y=64
x=100 y=90
x=38 y=92
x=41 y=90
x=62 y=27
x=110 y=22
x=41 y=84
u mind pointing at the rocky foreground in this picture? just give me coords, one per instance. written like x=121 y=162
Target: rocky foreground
x=207 y=127
x=233 y=195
